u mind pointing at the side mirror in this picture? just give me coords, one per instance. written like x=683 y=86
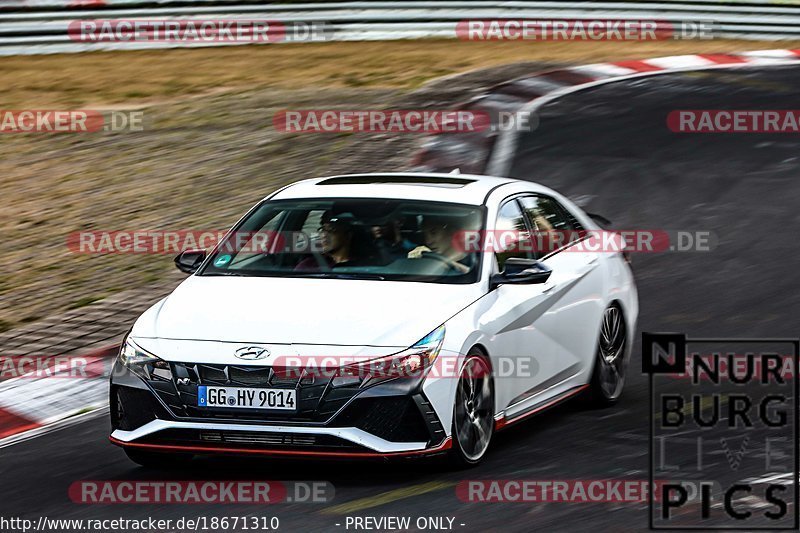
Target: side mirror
x=190 y=260
x=521 y=271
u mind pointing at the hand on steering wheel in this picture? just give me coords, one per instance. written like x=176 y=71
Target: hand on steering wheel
x=417 y=252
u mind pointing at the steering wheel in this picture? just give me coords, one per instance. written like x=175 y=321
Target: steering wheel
x=434 y=255
x=439 y=257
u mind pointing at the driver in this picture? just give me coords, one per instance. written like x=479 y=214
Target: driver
x=336 y=237
x=438 y=233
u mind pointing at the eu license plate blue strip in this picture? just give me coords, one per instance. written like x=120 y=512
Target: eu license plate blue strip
x=201 y=396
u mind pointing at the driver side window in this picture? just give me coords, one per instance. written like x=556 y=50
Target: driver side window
x=511 y=237
x=551 y=226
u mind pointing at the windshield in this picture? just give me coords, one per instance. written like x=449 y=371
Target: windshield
x=384 y=239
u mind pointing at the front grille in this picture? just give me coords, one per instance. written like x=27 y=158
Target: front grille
x=254 y=437
x=244 y=376
x=251 y=440
x=211 y=375
x=317 y=400
x=250 y=376
x=400 y=418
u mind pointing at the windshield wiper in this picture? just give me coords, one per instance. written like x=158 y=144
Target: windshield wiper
x=343 y=275
x=325 y=275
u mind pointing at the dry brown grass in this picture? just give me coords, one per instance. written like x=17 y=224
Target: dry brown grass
x=208 y=151
x=138 y=77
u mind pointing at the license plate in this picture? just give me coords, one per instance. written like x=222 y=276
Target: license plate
x=246 y=398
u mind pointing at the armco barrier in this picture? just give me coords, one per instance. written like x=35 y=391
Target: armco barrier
x=40 y=26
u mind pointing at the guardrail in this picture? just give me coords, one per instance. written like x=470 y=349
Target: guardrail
x=41 y=26
x=305 y=4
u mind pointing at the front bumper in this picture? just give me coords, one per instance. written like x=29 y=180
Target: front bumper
x=388 y=419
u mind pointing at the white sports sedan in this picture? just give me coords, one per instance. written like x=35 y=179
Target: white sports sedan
x=378 y=315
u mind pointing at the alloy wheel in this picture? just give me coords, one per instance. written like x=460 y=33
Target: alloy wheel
x=474 y=412
x=611 y=353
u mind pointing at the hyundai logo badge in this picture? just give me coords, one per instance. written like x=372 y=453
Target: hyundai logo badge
x=251 y=353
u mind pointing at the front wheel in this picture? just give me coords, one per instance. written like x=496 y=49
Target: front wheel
x=608 y=377
x=473 y=413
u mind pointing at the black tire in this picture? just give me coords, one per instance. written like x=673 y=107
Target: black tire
x=473 y=412
x=611 y=359
x=158 y=460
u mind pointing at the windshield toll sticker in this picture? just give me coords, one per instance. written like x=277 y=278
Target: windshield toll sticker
x=222 y=260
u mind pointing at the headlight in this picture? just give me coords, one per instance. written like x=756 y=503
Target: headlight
x=411 y=363
x=141 y=363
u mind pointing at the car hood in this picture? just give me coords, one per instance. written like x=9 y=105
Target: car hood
x=303 y=311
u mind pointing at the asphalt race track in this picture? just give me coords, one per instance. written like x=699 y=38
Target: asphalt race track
x=612 y=146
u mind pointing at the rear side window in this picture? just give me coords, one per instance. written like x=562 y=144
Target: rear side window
x=553 y=226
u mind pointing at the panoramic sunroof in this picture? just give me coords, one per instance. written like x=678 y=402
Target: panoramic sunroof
x=401 y=180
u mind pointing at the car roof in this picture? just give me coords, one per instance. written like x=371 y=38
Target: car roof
x=455 y=188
